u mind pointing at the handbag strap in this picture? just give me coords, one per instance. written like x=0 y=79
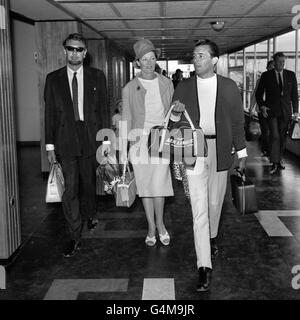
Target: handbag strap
x=53 y=164
x=125 y=166
x=168 y=115
x=165 y=128
x=59 y=173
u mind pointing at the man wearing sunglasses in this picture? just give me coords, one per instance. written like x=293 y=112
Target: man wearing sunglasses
x=75 y=104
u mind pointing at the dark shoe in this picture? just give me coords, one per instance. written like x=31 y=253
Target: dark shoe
x=274 y=168
x=92 y=223
x=204 y=279
x=280 y=165
x=71 y=249
x=214 y=250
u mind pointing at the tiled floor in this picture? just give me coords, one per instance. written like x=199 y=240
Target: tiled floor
x=258 y=252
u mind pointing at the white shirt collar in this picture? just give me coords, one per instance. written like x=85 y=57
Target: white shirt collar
x=79 y=71
x=207 y=79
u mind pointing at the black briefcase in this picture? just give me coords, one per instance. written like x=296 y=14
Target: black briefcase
x=243 y=194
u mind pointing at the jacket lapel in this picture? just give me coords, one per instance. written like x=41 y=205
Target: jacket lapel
x=196 y=98
x=86 y=90
x=65 y=88
x=274 y=75
x=162 y=86
x=285 y=80
x=218 y=95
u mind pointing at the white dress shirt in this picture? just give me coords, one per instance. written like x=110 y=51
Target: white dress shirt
x=79 y=76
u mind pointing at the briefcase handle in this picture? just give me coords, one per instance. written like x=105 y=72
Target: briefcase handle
x=241 y=174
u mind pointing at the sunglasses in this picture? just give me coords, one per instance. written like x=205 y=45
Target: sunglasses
x=71 y=49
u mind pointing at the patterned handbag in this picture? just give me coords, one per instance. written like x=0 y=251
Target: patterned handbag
x=179 y=172
x=107 y=175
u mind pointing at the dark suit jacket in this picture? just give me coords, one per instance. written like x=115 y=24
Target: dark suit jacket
x=229 y=116
x=59 y=114
x=280 y=105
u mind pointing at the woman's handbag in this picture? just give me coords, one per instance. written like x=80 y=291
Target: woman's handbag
x=125 y=189
x=56 y=184
x=294 y=129
x=107 y=175
x=178 y=141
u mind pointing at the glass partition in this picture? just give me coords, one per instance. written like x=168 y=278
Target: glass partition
x=286 y=43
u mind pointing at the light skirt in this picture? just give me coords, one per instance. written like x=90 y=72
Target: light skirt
x=153 y=177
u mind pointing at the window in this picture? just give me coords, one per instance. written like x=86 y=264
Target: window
x=261 y=57
x=250 y=55
x=286 y=44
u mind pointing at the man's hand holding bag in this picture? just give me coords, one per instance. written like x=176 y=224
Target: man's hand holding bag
x=179 y=141
x=56 y=184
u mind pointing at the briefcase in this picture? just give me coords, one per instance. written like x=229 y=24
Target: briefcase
x=243 y=194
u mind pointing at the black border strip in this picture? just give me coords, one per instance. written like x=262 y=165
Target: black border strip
x=17 y=16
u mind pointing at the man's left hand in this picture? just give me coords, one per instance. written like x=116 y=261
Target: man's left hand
x=242 y=164
x=296 y=115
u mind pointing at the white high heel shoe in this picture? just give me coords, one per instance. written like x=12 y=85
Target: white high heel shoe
x=164 y=238
x=150 y=241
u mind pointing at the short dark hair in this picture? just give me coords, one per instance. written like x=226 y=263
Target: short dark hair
x=214 y=49
x=278 y=55
x=269 y=63
x=75 y=36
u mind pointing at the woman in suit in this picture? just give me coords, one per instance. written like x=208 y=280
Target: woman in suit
x=146 y=100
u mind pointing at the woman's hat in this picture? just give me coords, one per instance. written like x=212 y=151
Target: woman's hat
x=142 y=47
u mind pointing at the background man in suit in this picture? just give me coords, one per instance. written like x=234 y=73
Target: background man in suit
x=75 y=96
x=214 y=103
x=264 y=139
x=281 y=99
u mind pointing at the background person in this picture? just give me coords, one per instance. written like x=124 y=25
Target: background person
x=281 y=99
x=264 y=139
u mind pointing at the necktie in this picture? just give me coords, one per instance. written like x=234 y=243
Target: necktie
x=75 y=96
x=280 y=82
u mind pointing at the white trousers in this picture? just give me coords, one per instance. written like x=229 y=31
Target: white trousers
x=207 y=190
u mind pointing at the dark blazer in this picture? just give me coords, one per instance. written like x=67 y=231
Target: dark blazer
x=280 y=105
x=59 y=114
x=229 y=116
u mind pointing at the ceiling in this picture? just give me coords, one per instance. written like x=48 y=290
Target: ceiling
x=173 y=26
